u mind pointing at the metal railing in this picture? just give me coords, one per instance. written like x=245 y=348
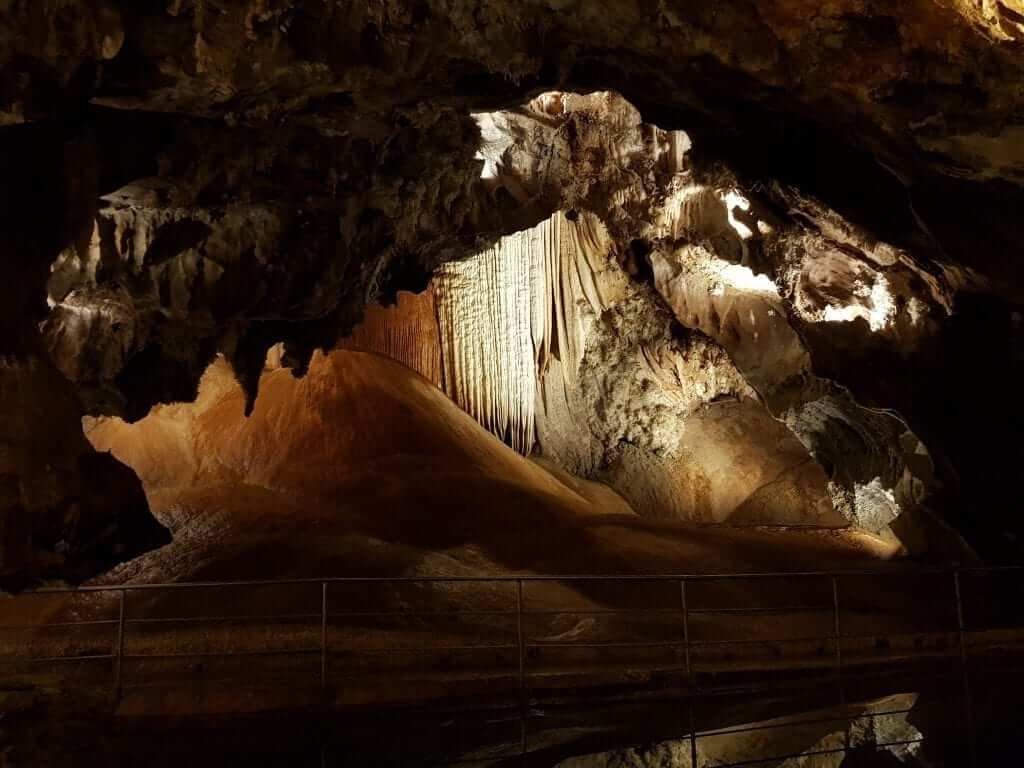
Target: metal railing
x=540 y=627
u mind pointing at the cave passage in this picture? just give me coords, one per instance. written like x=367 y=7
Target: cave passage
x=550 y=360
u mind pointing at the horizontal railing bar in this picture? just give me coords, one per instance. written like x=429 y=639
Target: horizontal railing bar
x=221 y=654
x=799 y=683
x=378 y=614
x=506 y=579
x=794 y=723
x=5 y=627
x=817 y=753
x=888 y=635
x=179 y=585
x=426 y=649
x=753 y=641
x=623 y=644
x=199 y=619
x=50 y=659
x=394 y=614
x=600 y=611
x=226 y=680
x=302 y=652
x=228 y=654
x=505 y=673
x=500 y=646
x=781 y=609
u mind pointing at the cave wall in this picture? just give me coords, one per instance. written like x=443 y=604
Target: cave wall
x=220 y=177
x=65 y=510
x=406 y=331
x=549 y=343
x=772 y=285
x=729 y=263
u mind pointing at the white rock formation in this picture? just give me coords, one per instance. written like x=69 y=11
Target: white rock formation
x=548 y=342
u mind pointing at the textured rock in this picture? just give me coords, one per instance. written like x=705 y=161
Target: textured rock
x=871 y=733
x=898 y=76
x=223 y=176
x=236 y=274
x=550 y=345
x=364 y=467
x=719 y=261
x=65 y=510
x=407 y=332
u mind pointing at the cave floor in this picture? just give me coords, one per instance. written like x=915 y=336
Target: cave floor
x=181 y=683
x=923 y=702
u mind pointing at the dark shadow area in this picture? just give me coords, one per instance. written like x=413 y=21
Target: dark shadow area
x=912 y=719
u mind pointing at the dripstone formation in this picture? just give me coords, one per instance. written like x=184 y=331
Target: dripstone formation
x=825 y=199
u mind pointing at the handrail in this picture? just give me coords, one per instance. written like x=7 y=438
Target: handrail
x=523 y=644
x=900 y=570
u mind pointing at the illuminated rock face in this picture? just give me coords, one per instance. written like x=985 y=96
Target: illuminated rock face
x=192 y=178
x=407 y=332
x=363 y=467
x=549 y=344
x=492 y=315
x=745 y=312
x=723 y=266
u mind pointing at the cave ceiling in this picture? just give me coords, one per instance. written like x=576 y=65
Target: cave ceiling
x=188 y=177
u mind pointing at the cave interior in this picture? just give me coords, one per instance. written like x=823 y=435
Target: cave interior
x=304 y=288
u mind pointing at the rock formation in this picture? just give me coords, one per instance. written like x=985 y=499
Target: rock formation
x=875 y=733
x=364 y=467
x=580 y=364
x=190 y=177
x=554 y=310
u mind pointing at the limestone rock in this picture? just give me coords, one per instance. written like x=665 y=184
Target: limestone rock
x=188 y=178
x=66 y=510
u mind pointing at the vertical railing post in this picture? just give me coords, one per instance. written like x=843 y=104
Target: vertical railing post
x=119 y=653
x=837 y=638
x=686 y=631
x=961 y=629
x=690 y=681
x=521 y=645
x=323 y=636
x=693 y=735
x=960 y=626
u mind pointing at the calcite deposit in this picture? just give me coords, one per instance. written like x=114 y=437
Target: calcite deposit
x=825 y=198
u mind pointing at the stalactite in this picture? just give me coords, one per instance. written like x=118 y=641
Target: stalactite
x=493 y=336
x=508 y=313
x=406 y=332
